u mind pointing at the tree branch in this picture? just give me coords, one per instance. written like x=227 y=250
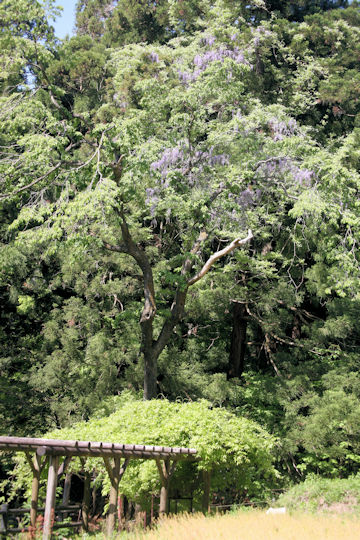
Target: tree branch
x=149 y=310
x=216 y=256
x=23 y=188
x=119 y=249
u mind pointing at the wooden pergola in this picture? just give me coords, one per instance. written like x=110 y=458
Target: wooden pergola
x=40 y=451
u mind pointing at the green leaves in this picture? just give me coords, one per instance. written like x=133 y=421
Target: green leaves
x=235 y=450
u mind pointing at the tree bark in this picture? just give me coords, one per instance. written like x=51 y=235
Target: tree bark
x=238 y=341
x=150 y=348
x=150 y=373
x=36 y=467
x=115 y=474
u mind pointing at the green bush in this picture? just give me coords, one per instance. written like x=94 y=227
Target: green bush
x=237 y=451
x=324 y=494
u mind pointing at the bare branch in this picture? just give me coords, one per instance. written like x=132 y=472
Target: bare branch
x=32 y=183
x=111 y=247
x=186 y=267
x=218 y=255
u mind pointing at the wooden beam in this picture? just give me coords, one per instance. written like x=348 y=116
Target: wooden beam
x=115 y=474
x=166 y=470
x=104 y=452
x=28 y=443
x=50 y=496
x=36 y=466
x=206 y=492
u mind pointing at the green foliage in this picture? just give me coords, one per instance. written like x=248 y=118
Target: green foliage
x=321 y=494
x=188 y=120
x=237 y=451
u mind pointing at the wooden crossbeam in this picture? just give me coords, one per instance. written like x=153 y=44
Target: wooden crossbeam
x=69 y=447
x=166 y=458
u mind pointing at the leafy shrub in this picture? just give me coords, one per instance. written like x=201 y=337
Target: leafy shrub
x=237 y=451
x=324 y=494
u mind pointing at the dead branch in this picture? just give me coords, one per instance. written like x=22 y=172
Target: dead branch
x=218 y=255
x=31 y=183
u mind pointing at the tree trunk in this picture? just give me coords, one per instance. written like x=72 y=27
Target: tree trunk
x=238 y=341
x=150 y=348
x=115 y=479
x=150 y=374
x=164 y=500
x=166 y=471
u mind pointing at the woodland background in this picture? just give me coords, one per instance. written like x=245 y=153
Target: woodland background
x=133 y=152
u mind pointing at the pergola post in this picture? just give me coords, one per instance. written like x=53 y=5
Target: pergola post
x=165 y=471
x=50 y=496
x=36 y=468
x=85 y=507
x=115 y=474
x=67 y=488
x=206 y=492
x=165 y=457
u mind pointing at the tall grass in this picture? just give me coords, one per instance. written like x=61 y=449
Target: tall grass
x=254 y=525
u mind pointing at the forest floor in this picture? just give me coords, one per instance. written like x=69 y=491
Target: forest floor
x=255 y=525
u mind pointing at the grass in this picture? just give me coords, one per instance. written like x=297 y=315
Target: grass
x=319 y=509
x=316 y=494
x=254 y=525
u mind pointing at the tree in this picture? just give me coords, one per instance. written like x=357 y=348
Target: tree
x=195 y=161
x=125 y=169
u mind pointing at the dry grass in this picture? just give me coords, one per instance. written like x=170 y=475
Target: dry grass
x=255 y=525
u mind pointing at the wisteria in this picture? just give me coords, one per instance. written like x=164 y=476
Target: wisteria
x=285 y=165
x=178 y=160
x=152 y=199
x=258 y=33
x=245 y=198
x=190 y=165
x=169 y=159
x=202 y=61
x=211 y=159
x=154 y=57
x=208 y=40
x=282 y=129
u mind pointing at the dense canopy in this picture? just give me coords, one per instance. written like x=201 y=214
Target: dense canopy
x=179 y=197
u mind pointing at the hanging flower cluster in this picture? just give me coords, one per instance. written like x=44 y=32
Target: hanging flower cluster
x=218 y=54
x=278 y=167
x=282 y=129
x=190 y=165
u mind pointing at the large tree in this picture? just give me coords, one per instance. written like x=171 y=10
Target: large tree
x=128 y=172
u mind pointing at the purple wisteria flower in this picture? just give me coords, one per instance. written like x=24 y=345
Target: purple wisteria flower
x=169 y=158
x=279 y=167
x=152 y=199
x=188 y=166
x=282 y=129
x=202 y=61
x=154 y=57
x=208 y=40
